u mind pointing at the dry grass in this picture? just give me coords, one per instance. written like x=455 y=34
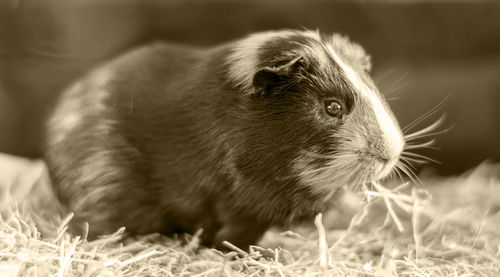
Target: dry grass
x=399 y=232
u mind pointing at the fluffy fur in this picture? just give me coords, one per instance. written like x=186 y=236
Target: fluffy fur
x=231 y=139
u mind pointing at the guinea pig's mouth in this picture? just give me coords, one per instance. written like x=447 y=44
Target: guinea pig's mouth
x=378 y=166
x=381 y=166
x=386 y=169
x=349 y=169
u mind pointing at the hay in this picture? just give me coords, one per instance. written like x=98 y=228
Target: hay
x=395 y=232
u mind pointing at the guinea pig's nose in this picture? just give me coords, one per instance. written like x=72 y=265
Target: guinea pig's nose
x=376 y=155
x=383 y=159
x=384 y=152
x=387 y=148
x=387 y=162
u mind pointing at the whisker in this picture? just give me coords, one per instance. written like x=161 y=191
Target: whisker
x=419 y=156
x=425 y=130
x=404 y=171
x=418 y=121
x=416 y=178
x=392 y=99
x=431 y=134
x=408 y=163
x=397 y=170
x=428 y=144
x=52 y=55
x=410 y=173
x=393 y=175
x=380 y=77
x=397 y=84
x=427 y=114
x=395 y=88
x=408 y=158
x=418 y=161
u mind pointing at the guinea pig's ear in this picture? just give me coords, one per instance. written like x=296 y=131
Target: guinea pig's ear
x=269 y=80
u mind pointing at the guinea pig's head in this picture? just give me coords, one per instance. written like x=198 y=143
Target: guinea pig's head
x=316 y=115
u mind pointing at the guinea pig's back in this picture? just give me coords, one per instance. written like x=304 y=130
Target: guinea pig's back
x=104 y=129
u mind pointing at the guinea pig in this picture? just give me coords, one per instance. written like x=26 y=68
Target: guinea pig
x=258 y=132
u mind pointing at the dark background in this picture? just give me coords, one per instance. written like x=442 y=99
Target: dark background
x=422 y=51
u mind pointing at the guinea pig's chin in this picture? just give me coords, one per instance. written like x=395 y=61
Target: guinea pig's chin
x=383 y=169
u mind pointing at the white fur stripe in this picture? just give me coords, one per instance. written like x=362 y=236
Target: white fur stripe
x=243 y=59
x=392 y=134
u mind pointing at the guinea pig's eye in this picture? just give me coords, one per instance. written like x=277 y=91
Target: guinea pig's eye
x=333 y=108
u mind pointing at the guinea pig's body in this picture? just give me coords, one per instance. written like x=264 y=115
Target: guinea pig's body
x=233 y=139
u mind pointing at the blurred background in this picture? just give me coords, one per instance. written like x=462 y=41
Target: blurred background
x=423 y=52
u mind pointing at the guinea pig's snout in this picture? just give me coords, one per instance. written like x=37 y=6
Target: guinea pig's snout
x=385 y=150
x=384 y=154
x=379 y=157
x=388 y=156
